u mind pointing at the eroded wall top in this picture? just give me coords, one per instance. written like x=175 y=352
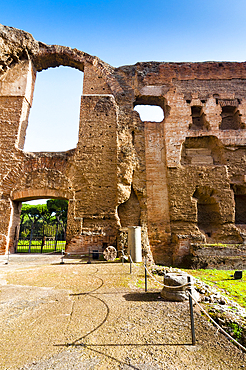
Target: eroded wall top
x=144 y=78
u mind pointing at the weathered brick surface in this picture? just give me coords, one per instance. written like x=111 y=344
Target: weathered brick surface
x=178 y=179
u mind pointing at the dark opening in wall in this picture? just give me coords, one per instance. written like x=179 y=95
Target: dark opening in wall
x=240 y=203
x=205 y=150
x=231 y=118
x=240 y=208
x=129 y=211
x=208 y=213
x=198 y=119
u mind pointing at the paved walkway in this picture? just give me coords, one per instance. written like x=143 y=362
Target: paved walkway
x=79 y=316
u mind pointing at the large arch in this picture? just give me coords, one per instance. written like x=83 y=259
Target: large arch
x=20 y=45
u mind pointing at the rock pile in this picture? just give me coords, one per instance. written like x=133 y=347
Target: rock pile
x=227 y=313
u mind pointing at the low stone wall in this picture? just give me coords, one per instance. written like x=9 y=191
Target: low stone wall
x=225 y=257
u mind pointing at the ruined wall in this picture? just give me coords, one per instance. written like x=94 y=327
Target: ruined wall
x=183 y=180
x=203 y=142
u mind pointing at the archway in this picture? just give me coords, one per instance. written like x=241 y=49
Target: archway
x=41 y=227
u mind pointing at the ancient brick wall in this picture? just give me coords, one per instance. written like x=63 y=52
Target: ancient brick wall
x=203 y=143
x=157 y=192
x=183 y=180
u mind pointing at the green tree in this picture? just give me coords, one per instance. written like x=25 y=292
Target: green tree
x=54 y=212
x=32 y=214
x=58 y=208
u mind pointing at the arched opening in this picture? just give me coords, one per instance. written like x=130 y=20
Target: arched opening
x=41 y=225
x=54 y=116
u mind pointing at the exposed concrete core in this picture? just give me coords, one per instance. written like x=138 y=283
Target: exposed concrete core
x=182 y=180
x=129 y=212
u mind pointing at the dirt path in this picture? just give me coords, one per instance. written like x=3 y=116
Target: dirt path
x=79 y=316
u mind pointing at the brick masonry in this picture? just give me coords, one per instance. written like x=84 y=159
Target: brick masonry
x=182 y=180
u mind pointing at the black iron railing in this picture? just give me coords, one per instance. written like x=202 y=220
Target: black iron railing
x=41 y=238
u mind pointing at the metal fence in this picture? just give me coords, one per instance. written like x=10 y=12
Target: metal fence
x=41 y=238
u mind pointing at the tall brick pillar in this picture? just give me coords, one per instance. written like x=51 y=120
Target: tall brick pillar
x=157 y=193
x=92 y=214
x=16 y=91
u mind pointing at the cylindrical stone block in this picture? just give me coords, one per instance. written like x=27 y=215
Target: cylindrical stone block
x=176 y=280
x=134 y=243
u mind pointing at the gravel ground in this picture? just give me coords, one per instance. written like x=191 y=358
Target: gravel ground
x=80 y=316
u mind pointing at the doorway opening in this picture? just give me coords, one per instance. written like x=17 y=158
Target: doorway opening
x=42 y=226
x=240 y=209
x=240 y=204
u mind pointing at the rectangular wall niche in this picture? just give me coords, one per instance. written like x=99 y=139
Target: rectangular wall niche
x=198 y=119
x=231 y=119
x=240 y=209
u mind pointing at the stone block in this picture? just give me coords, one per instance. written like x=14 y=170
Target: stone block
x=202 y=159
x=179 y=294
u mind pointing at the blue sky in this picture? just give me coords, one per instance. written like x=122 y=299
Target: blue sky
x=118 y=32
x=125 y=32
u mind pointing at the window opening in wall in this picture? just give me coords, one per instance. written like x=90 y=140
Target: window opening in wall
x=198 y=119
x=231 y=118
x=42 y=226
x=54 y=116
x=150 y=113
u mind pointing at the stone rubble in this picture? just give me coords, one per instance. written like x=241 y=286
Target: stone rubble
x=222 y=309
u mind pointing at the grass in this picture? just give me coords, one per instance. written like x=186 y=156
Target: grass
x=223 y=279
x=220 y=245
x=237 y=330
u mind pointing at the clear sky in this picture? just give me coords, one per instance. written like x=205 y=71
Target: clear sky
x=118 y=32
x=128 y=31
